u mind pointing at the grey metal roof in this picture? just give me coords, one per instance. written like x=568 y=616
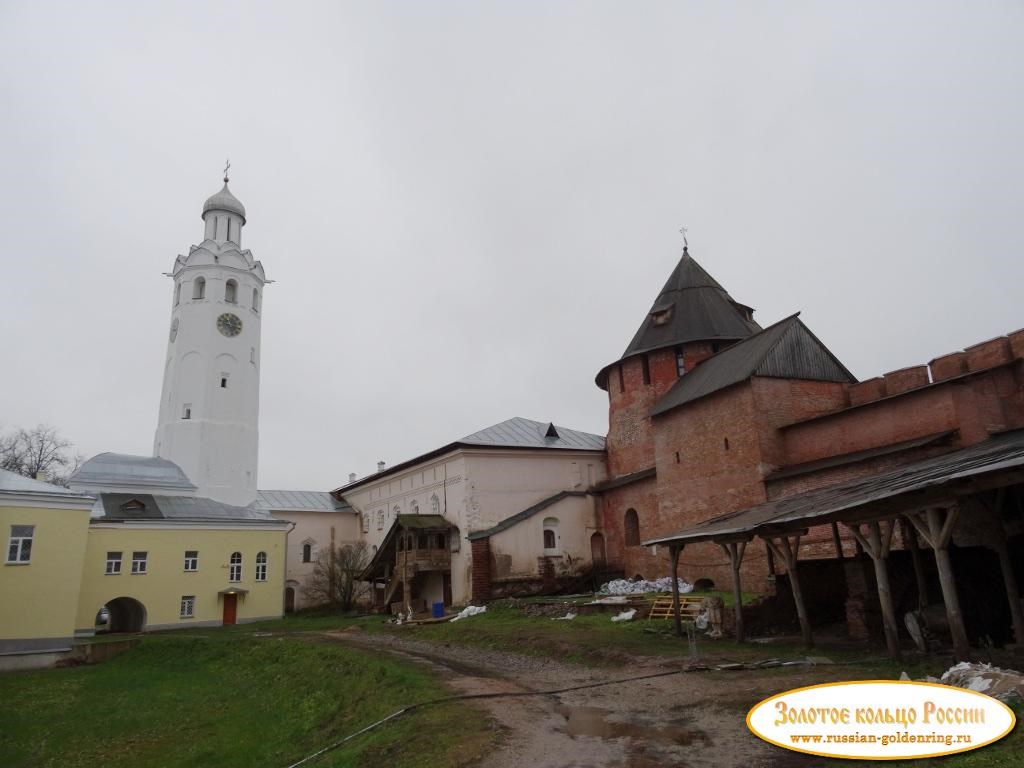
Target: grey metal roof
x=527 y=513
x=524 y=433
x=824 y=505
x=224 y=201
x=699 y=310
x=513 y=433
x=113 y=469
x=300 y=501
x=12 y=482
x=118 y=506
x=786 y=350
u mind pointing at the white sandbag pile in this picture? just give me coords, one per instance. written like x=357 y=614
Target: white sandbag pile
x=470 y=610
x=642 y=586
x=1004 y=684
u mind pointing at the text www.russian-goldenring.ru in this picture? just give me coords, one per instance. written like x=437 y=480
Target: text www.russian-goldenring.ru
x=884 y=740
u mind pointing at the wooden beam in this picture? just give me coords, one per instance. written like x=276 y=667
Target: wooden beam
x=735 y=551
x=940 y=531
x=674 y=555
x=786 y=552
x=910 y=536
x=837 y=541
x=876 y=542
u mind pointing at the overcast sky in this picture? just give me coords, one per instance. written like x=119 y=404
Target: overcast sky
x=469 y=207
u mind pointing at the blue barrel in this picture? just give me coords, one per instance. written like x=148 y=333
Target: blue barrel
x=437 y=610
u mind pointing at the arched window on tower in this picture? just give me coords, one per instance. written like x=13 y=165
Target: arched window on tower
x=199 y=288
x=231 y=292
x=631 y=526
x=255 y=300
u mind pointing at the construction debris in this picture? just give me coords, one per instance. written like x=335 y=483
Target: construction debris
x=642 y=586
x=469 y=610
x=625 y=615
x=568 y=617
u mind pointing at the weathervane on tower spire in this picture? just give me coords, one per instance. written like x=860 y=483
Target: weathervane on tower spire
x=227 y=167
x=682 y=231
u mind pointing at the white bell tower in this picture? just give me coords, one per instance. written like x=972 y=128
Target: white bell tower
x=209 y=407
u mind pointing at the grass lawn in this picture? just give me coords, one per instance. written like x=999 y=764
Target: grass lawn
x=229 y=698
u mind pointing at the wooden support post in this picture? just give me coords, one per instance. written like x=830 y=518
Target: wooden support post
x=998 y=540
x=787 y=548
x=837 y=541
x=877 y=544
x=937 y=532
x=735 y=552
x=674 y=551
x=910 y=535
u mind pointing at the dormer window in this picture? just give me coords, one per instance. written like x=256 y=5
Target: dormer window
x=661 y=316
x=680 y=362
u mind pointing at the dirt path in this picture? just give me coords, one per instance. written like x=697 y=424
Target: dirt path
x=690 y=719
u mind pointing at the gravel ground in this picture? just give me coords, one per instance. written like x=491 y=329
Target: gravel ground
x=683 y=719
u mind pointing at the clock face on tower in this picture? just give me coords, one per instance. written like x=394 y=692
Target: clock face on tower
x=229 y=324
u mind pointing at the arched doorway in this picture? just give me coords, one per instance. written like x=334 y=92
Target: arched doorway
x=126 y=615
x=597 y=553
x=289 y=600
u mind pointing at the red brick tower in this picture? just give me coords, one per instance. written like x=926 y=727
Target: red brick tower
x=692 y=318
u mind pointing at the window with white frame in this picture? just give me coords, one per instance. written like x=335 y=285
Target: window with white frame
x=261 y=566
x=188 y=606
x=191 y=560
x=435 y=505
x=139 y=562
x=113 y=563
x=380 y=519
x=550 y=533
x=19 y=549
x=235 y=567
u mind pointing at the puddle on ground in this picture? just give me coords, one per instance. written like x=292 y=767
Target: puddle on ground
x=595 y=721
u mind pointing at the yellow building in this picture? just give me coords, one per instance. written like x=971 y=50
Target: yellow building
x=165 y=562
x=45 y=528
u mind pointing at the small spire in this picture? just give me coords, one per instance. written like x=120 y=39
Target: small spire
x=227 y=167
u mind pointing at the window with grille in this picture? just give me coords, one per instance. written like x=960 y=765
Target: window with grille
x=19 y=548
x=235 y=567
x=188 y=606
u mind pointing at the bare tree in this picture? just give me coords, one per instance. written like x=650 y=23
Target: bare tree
x=40 y=452
x=335 y=578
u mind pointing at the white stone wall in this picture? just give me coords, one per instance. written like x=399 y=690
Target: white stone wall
x=477 y=488
x=319 y=529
